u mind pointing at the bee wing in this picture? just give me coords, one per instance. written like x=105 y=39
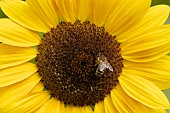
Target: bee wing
x=101 y=66
x=108 y=66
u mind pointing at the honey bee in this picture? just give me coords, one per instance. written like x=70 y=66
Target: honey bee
x=103 y=64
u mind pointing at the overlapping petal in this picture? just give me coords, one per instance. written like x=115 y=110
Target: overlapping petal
x=28 y=104
x=39 y=87
x=19 y=12
x=101 y=9
x=156 y=71
x=15 y=74
x=126 y=104
x=68 y=9
x=143 y=91
x=46 y=10
x=109 y=105
x=99 y=107
x=84 y=9
x=13 y=34
x=11 y=55
x=52 y=106
x=147 y=46
x=125 y=14
x=77 y=109
x=11 y=94
x=156 y=16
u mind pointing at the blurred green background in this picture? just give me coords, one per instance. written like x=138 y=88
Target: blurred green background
x=154 y=2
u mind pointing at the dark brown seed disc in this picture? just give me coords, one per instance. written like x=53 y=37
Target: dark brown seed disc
x=79 y=63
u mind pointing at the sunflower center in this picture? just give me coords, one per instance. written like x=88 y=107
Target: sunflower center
x=79 y=63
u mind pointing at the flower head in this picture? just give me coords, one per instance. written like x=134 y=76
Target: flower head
x=84 y=56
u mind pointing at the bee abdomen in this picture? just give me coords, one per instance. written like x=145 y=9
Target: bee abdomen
x=99 y=73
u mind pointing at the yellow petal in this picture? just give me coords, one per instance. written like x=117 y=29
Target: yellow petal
x=13 y=93
x=101 y=10
x=124 y=14
x=39 y=87
x=99 y=107
x=15 y=74
x=109 y=106
x=85 y=109
x=126 y=104
x=72 y=109
x=68 y=10
x=46 y=10
x=85 y=9
x=151 y=39
x=147 y=45
x=143 y=91
x=19 y=12
x=148 y=55
x=52 y=106
x=13 y=34
x=157 y=78
x=62 y=108
x=156 y=71
x=158 y=111
x=77 y=109
x=156 y=15
x=28 y=104
x=119 y=103
x=11 y=56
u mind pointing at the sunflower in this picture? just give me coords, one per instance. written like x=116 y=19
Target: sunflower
x=84 y=56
